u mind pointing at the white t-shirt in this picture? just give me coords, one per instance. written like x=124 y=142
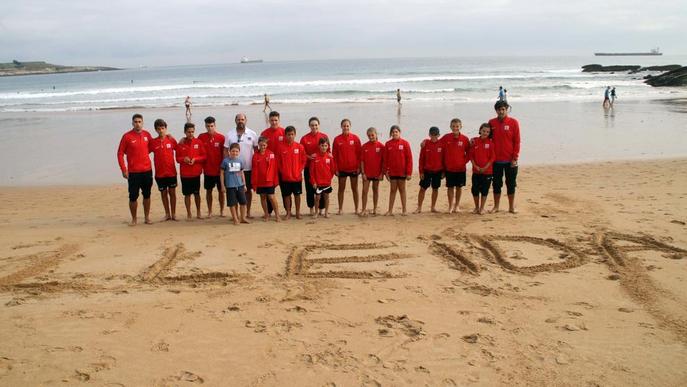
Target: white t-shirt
x=248 y=143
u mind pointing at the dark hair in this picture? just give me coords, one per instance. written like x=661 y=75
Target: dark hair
x=235 y=146
x=433 y=131
x=189 y=125
x=500 y=104
x=456 y=120
x=160 y=123
x=311 y=119
x=290 y=129
x=262 y=139
x=135 y=116
x=486 y=125
x=209 y=120
x=323 y=140
x=274 y=114
x=344 y=120
x=394 y=127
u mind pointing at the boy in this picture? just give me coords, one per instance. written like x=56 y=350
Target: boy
x=214 y=149
x=234 y=183
x=431 y=168
x=163 y=147
x=291 y=160
x=455 y=149
x=505 y=132
x=323 y=169
x=190 y=156
x=265 y=177
x=482 y=155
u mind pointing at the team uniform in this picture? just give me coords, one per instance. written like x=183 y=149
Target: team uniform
x=236 y=190
x=136 y=148
x=214 y=153
x=346 y=152
x=372 y=156
x=431 y=164
x=455 y=150
x=506 y=137
x=275 y=136
x=265 y=172
x=481 y=153
x=190 y=174
x=311 y=144
x=248 y=141
x=323 y=169
x=291 y=160
x=165 y=167
x=398 y=159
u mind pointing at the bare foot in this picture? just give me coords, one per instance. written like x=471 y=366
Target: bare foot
x=209 y=215
x=265 y=218
x=221 y=215
x=404 y=213
x=312 y=211
x=363 y=213
x=315 y=215
x=200 y=216
x=513 y=211
x=389 y=213
x=236 y=222
x=417 y=210
x=326 y=215
x=339 y=213
x=245 y=221
x=133 y=222
x=249 y=216
x=174 y=218
x=288 y=216
x=168 y=217
x=434 y=210
x=298 y=216
x=481 y=211
x=476 y=211
x=494 y=210
x=277 y=218
x=148 y=221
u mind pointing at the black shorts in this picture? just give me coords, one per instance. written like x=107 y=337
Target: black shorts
x=455 y=179
x=236 y=195
x=265 y=190
x=249 y=185
x=210 y=182
x=480 y=184
x=289 y=188
x=348 y=174
x=397 y=177
x=166 y=182
x=511 y=173
x=323 y=190
x=190 y=185
x=431 y=178
x=373 y=178
x=142 y=181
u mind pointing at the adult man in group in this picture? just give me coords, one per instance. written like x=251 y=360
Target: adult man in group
x=506 y=135
x=248 y=141
x=214 y=150
x=138 y=170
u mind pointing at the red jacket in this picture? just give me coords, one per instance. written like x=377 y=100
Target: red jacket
x=275 y=137
x=311 y=143
x=431 y=157
x=322 y=170
x=135 y=147
x=455 y=152
x=346 y=152
x=265 y=170
x=372 y=156
x=214 y=151
x=291 y=160
x=398 y=158
x=163 y=155
x=195 y=150
x=506 y=135
x=481 y=153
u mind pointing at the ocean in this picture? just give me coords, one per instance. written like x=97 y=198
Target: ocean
x=468 y=79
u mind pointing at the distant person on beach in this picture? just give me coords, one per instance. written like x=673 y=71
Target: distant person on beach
x=267 y=103
x=613 y=96
x=311 y=144
x=234 y=184
x=163 y=148
x=214 y=151
x=482 y=156
x=431 y=168
x=398 y=165
x=607 y=97
x=398 y=96
x=502 y=94
x=265 y=170
x=346 y=151
x=455 y=149
x=291 y=160
x=248 y=141
x=190 y=156
x=137 y=171
x=505 y=95
x=323 y=169
x=506 y=137
x=187 y=103
x=371 y=163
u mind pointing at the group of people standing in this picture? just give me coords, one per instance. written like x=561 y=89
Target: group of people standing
x=241 y=162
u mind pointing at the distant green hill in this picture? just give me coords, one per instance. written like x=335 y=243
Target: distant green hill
x=28 y=68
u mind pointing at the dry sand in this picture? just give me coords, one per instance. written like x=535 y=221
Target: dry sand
x=584 y=287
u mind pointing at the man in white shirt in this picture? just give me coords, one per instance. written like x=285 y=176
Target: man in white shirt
x=248 y=141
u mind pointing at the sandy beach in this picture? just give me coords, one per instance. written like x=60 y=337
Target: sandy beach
x=584 y=287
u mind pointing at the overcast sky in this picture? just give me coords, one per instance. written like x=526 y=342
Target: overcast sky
x=145 y=32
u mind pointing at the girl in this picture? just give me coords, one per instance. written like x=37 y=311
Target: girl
x=398 y=166
x=322 y=170
x=265 y=177
x=371 y=160
x=482 y=156
x=346 y=151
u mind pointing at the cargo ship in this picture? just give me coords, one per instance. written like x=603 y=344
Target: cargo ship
x=653 y=52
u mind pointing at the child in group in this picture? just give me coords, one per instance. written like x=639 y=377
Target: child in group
x=455 y=149
x=371 y=161
x=291 y=160
x=346 y=149
x=163 y=147
x=322 y=170
x=398 y=167
x=265 y=177
x=482 y=156
x=431 y=168
x=234 y=184
x=190 y=156
x=214 y=153
x=311 y=144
